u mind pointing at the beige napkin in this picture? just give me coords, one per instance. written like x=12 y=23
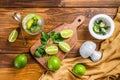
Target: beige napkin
x=105 y=69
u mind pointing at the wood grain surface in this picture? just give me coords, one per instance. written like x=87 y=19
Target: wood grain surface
x=59 y=3
x=52 y=15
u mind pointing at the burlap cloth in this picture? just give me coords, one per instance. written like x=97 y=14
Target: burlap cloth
x=108 y=68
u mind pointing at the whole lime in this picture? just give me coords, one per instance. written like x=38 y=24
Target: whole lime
x=79 y=69
x=53 y=63
x=20 y=61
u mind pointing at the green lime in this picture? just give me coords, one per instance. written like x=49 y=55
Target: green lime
x=20 y=61
x=13 y=36
x=64 y=46
x=53 y=63
x=96 y=29
x=66 y=33
x=79 y=69
x=51 y=50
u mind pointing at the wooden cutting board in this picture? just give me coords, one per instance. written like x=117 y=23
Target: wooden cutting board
x=71 y=41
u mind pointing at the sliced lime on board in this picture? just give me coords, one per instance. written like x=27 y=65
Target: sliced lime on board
x=13 y=36
x=51 y=50
x=66 y=33
x=64 y=46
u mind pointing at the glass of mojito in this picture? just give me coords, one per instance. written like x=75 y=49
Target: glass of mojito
x=32 y=24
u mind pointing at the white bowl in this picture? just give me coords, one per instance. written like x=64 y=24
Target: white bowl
x=108 y=21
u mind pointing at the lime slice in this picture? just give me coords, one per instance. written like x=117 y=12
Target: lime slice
x=13 y=36
x=64 y=46
x=66 y=33
x=29 y=23
x=51 y=50
x=96 y=29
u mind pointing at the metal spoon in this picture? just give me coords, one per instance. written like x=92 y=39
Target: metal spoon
x=17 y=17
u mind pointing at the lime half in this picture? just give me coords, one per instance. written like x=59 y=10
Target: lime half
x=13 y=36
x=51 y=50
x=64 y=46
x=66 y=33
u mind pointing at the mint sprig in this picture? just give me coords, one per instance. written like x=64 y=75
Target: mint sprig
x=40 y=51
x=44 y=38
x=56 y=38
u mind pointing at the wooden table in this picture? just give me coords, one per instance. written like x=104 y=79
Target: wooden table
x=53 y=12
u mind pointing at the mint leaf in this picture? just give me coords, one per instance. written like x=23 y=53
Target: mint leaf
x=45 y=36
x=52 y=33
x=40 y=51
x=37 y=54
x=57 y=38
x=43 y=41
x=34 y=24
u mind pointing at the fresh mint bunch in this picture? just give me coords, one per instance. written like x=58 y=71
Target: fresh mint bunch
x=56 y=38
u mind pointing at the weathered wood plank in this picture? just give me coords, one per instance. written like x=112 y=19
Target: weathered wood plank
x=30 y=72
x=7 y=23
x=29 y=3
x=90 y=3
x=59 y=3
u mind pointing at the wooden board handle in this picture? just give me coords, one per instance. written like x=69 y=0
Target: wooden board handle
x=79 y=20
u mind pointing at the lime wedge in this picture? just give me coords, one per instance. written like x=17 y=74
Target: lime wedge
x=13 y=36
x=66 y=33
x=51 y=50
x=29 y=23
x=64 y=46
x=96 y=29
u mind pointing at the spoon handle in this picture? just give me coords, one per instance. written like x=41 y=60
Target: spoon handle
x=24 y=41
